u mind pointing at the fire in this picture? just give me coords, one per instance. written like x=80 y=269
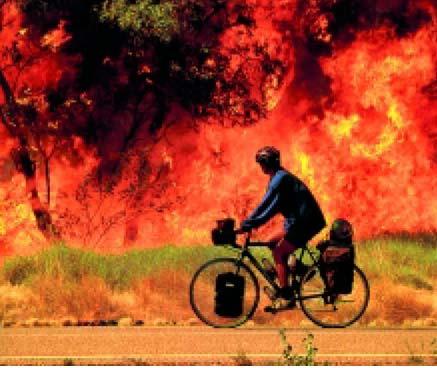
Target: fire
x=55 y=39
x=343 y=129
x=364 y=143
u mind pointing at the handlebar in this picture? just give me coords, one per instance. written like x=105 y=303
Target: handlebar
x=247 y=239
x=241 y=231
x=247 y=242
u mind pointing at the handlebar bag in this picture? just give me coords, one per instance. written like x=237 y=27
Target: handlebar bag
x=229 y=295
x=337 y=262
x=224 y=232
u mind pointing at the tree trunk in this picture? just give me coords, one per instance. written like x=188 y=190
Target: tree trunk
x=24 y=163
x=47 y=177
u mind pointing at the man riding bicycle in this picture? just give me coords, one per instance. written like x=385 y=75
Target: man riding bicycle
x=288 y=195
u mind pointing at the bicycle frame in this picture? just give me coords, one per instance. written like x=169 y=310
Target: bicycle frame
x=245 y=253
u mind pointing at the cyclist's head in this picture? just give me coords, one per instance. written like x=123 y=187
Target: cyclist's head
x=269 y=158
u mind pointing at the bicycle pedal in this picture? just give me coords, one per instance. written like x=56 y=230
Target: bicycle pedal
x=270 y=309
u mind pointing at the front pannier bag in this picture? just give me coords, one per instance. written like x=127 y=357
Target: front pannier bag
x=338 y=267
x=229 y=295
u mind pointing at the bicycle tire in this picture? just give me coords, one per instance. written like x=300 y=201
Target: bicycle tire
x=341 y=312
x=202 y=306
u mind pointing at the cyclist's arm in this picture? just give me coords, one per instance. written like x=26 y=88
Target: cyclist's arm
x=264 y=212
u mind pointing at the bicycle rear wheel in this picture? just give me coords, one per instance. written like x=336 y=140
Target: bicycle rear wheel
x=332 y=310
x=203 y=292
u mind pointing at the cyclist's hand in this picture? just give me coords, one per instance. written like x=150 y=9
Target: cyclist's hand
x=243 y=231
x=245 y=228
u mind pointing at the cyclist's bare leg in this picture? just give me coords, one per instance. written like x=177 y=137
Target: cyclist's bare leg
x=280 y=254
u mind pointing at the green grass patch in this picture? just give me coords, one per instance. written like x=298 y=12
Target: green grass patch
x=118 y=271
x=409 y=260
x=403 y=259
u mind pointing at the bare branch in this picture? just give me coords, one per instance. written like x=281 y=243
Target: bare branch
x=7 y=91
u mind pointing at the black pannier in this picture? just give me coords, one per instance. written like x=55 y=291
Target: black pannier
x=229 y=295
x=337 y=265
x=224 y=233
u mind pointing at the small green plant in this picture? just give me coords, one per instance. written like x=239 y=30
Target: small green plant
x=417 y=359
x=434 y=349
x=242 y=359
x=289 y=358
x=68 y=361
x=136 y=362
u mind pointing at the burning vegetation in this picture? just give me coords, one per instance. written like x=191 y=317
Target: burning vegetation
x=135 y=123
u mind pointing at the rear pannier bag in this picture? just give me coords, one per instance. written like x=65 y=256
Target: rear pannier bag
x=229 y=295
x=338 y=267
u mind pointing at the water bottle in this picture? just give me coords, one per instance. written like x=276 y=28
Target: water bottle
x=292 y=263
x=269 y=268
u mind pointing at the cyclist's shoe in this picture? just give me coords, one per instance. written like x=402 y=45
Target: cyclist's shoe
x=280 y=304
x=282 y=300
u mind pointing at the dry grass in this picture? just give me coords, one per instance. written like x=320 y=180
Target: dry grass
x=16 y=303
x=88 y=299
x=163 y=299
x=394 y=304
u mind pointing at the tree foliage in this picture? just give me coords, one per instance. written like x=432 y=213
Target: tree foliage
x=145 y=18
x=172 y=50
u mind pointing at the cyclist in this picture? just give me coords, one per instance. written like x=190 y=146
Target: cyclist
x=288 y=195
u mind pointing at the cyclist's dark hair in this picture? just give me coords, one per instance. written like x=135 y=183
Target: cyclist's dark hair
x=269 y=156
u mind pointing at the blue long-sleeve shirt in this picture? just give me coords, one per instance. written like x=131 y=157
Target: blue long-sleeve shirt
x=288 y=195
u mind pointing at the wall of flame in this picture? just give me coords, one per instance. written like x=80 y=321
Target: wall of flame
x=369 y=153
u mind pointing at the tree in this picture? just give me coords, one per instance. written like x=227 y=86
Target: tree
x=20 y=104
x=122 y=68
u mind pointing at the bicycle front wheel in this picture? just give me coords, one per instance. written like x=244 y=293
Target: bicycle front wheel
x=327 y=309
x=203 y=292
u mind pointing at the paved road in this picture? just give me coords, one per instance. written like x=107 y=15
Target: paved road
x=181 y=345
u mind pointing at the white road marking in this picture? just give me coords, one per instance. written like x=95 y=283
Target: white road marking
x=219 y=355
x=134 y=331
